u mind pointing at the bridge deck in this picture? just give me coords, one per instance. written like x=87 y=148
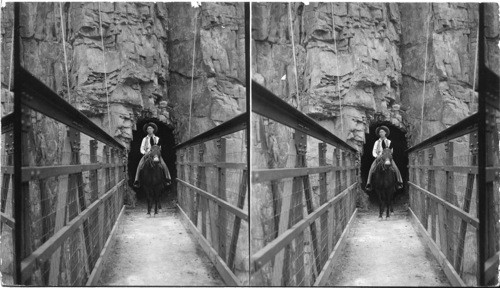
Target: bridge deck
x=386 y=253
x=157 y=251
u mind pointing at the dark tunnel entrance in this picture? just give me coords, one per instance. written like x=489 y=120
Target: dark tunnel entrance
x=167 y=143
x=398 y=139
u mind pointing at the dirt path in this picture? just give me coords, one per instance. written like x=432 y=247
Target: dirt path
x=157 y=251
x=386 y=253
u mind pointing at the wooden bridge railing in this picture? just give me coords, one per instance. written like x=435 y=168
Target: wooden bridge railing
x=443 y=182
x=308 y=194
x=7 y=224
x=69 y=181
x=212 y=187
x=454 y=188
x=72 y=181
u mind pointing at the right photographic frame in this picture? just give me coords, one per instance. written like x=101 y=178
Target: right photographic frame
x=374 y=144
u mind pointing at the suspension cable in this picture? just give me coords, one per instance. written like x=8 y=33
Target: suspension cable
x=293 y=51
x=192 y=75
x=64 y=51
x=425 y=72
x=11 y=64
x=104 y=59
x=475 y=60
x=338 y=74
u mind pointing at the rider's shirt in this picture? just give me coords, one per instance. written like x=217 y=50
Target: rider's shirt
x=379 y=146
x=146 y=143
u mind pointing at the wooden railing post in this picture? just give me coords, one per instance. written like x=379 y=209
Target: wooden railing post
x=180 y=175
x=473 y=143
x=296 y=214
x=202 y=184
x=431 y=187
x=424 y=198
x=94 y=195
x=9 y=149
x=192 y=198
x=323 y=197
x=221 y=187
x=237 y=220
x=337 y=206
x=450 y=197
x=413 y=177
x=310 y=208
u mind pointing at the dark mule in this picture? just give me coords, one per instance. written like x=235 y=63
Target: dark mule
x=151 y=178
x=384 y=181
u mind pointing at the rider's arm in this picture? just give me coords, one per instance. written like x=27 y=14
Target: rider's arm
x=143 y=146
x=374 y=151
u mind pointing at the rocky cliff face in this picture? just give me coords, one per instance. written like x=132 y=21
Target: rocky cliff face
x=147 y=60
x=347 y=54
x=450 y=32
x=369 y=59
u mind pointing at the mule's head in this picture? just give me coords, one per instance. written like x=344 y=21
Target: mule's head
x=154 y=154
x=385 y=159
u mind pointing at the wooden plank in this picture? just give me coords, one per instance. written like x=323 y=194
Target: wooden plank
x=237 y=221
x=461 y=128
x=451 y=198
x=448 y=168
x=466 y=206
x=310 y=208
x=227 y=275
x=61 y=214
x=450 y=273
x=224 y=204
x=454 y=209
x=284 y=218
x=193 y=213
x=98 y=267
x=47 y=249
x=491 y=268
x=202 y=183
x=323 y=197
x=431 y=186
x=283 y=226
x=221 y=186
x=296 y=268
x=230 y=126
x=264 y=175
x=9 y=221
x=334 y=257
x=41 y=172
x=269 y=105
x=425 y=200
x=264 y=255
x=227 y=165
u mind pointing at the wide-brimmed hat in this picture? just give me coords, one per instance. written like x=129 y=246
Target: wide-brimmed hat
x=387 y=131
x=145 y=127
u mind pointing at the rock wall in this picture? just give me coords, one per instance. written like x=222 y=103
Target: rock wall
x=450 y=32
x=219 y=74
x=356 y=63
x=140 y=39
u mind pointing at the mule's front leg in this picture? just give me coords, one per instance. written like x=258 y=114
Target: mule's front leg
x=380 y=206
x=149 y=205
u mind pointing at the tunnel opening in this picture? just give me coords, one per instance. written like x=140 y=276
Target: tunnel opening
x=167 y=142
x=400 y=144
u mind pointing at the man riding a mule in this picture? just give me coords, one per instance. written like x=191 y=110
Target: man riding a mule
x=147 y=142
x=379 y=146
